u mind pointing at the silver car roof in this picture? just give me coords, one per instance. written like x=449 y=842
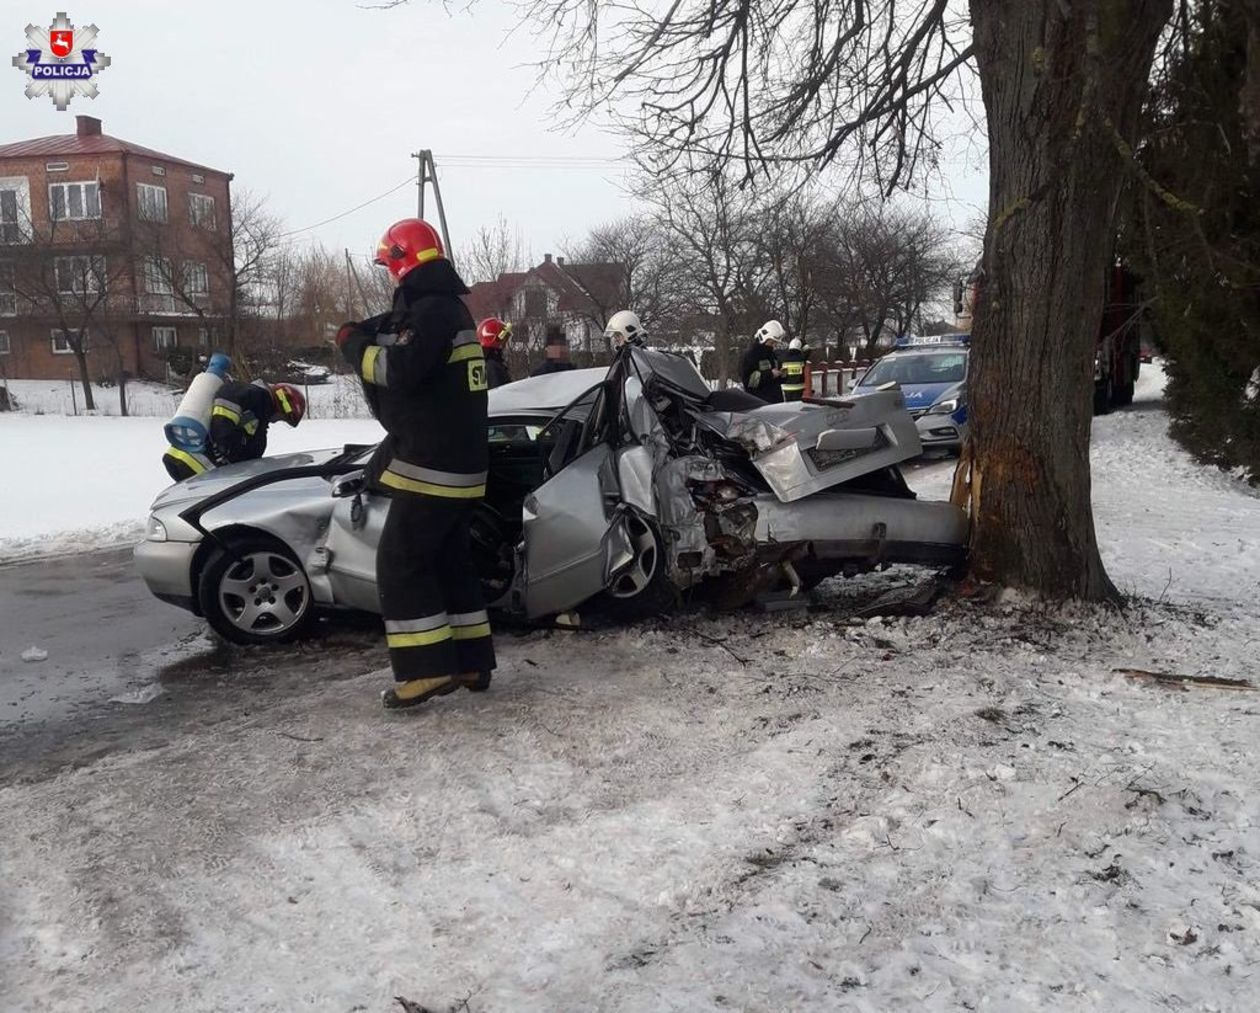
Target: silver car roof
x=549 y=392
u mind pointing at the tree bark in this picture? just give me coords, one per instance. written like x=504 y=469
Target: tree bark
x=1062 y=85
x=80 y=357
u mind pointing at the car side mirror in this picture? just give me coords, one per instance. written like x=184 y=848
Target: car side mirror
x=344 y=486
x=847 y=439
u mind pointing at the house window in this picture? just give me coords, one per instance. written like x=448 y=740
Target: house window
x=158 y=170
x=81 y=274
x=201 y=210
x=159 y=293
x=203 y=337
x=536 y=302
x=74 y=202
x=164 y=338
x=152 y=202
x=196 y=283
x=198 y=178
x=4 y=342
x=63 y=341
x=8 y=291
x=56 y=166
x=15 y=209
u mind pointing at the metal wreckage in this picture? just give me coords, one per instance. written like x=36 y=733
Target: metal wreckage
x=632 y=486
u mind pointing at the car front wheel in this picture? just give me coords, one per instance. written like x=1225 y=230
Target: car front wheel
x=642 y=589
x=256 y=593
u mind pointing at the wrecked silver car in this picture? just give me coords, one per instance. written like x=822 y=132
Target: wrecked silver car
x=631 y=486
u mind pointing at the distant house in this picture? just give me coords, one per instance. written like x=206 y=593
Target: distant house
x=111 y=255
x=579 y=298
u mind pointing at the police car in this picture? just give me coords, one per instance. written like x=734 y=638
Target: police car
x=932 y=374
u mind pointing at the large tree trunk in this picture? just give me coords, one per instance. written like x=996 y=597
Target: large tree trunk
x=1062 y=85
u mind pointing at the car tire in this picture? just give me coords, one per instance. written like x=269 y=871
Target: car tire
x=644 y=590
x=1103 y=397
x=254 y=591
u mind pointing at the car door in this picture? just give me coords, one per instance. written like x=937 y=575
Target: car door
x=573 y=538
x=354 y=531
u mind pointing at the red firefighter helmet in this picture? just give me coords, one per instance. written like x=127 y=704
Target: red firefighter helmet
x=493 y=332
x=290 y=404
x=407 y=244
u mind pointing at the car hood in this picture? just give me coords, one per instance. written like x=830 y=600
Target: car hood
x=201 y=486
x=921 y=396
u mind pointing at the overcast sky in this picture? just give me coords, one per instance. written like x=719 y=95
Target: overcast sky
x=318 y=104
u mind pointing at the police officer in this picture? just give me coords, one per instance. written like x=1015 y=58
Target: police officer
x=424 y=375
x=792 y=366
x=238 y=426
x=556 y=350
x=760 y=368
x=493 y=334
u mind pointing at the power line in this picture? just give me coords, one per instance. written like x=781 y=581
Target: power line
x=343 y=214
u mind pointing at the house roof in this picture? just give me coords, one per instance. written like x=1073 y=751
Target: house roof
x=92 y=144
x=583 y=288
x=491 y=298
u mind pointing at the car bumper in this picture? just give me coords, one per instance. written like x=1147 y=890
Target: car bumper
x=166 y=568
x=940 y=431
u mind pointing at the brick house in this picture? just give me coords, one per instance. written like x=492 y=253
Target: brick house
x=579 y=298
x=111 y=255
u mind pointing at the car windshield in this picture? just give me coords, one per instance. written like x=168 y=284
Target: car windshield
x=938 y=367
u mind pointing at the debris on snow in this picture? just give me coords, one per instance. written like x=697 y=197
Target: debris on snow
x=34 y=653
x=145 y=694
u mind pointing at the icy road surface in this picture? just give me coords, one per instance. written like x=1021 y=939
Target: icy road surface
x=970 y=810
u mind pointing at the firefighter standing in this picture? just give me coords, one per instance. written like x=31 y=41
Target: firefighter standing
x=493 y=334
x=792 y=364
x=624 y=328
x=760 y=369
x=424 y=375
x=238 y=426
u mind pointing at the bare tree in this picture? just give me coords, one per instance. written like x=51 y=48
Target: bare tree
x=494 y=250
x=772 y=85
x=74 y=274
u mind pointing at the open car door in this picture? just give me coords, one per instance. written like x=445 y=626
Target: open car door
x=574 y=541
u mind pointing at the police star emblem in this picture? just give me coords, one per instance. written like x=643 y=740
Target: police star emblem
x=61 y=61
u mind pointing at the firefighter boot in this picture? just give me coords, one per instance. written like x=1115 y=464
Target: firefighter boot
x=417 y=691
x=476 y=682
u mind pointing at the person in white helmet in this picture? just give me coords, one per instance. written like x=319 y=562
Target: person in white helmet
x=760 y=369
x=624 y=329
x=793 y=364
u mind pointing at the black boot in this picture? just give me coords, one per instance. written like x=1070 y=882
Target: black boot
x=417 y=691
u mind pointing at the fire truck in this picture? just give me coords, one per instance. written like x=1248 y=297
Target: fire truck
x=1118 y=346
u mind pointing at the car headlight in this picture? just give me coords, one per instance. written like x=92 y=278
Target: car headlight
x=156 y=531
x=947 y=407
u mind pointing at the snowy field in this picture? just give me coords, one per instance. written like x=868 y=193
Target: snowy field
x=74 y=484
x=971 y=810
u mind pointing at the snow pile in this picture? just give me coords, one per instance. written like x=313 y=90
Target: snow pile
x=82 y=483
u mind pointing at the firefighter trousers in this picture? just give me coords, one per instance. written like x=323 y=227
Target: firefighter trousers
x=182 y=464
x=435 y=618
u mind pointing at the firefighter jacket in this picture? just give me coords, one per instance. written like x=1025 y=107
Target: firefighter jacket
x=792 y=364
x=238 y=422
x=756 y=372
x=424 y=376
x=497 y=373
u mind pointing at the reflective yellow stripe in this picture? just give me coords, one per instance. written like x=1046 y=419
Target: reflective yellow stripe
x=466 y=352
x=424 y=256
x=187 y=459
x=425 y=639
x=368 y=367
x=430 y=489
x=471 y=632
x=226 y=412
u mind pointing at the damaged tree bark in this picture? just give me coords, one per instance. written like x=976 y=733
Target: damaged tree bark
x=1063 y=85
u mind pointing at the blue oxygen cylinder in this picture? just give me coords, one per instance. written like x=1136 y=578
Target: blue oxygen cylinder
x=190 y=428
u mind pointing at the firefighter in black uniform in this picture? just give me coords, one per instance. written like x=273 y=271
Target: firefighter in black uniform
x=792 y=367
x=238 y=426
x=493 y=334
x=424 y=375
x=760 y=369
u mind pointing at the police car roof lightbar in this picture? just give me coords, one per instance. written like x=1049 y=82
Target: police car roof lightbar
x=932 y=340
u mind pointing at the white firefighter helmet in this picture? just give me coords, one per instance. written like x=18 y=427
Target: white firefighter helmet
x=624 y=327
x=795 y=344
x=771 y=330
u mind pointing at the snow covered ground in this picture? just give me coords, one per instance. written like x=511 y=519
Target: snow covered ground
x=73 y=484
x=971 y=810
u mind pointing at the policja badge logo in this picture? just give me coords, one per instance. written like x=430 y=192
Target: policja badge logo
x=61 y=61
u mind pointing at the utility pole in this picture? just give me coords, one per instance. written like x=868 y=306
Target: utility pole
x=426 y=174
